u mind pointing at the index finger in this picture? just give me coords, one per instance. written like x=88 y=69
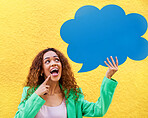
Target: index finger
x=46 y=80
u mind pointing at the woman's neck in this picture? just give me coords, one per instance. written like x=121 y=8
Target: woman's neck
x=54 y=87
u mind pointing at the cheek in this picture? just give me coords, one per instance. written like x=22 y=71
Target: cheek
x=61 y=67
x=45 y=68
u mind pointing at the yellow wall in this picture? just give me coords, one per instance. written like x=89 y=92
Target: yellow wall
x=28 y=26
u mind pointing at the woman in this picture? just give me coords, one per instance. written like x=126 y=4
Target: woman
x=51 y=90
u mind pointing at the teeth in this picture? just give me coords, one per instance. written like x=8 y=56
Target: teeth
x=54 y=69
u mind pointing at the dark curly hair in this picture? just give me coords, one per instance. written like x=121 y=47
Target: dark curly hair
x=67 y=79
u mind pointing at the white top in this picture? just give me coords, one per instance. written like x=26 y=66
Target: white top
x=53 y=112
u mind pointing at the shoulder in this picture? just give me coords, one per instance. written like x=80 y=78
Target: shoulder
x=28 y=90
x=25 y=89
x=79 y=90
x=31 y=88
x=79 y=93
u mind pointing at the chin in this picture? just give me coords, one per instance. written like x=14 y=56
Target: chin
x=55 y=78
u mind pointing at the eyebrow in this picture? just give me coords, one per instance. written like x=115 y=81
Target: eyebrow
x=49 y=57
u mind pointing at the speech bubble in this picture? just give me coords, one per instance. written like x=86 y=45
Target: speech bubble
x=93 y=35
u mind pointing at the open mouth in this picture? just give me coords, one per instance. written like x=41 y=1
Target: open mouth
x=54 y=72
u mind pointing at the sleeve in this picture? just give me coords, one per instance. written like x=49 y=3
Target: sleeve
x=98 y=109
x=30 y=107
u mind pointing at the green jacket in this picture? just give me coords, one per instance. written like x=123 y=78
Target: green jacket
x=30 y=107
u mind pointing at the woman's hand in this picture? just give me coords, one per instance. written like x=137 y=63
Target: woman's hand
x=43 y=88
x=112 y=68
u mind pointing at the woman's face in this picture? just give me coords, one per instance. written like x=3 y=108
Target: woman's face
x=52 y=66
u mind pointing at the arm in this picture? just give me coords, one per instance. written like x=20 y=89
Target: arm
x=98 y=109
x=30 y=107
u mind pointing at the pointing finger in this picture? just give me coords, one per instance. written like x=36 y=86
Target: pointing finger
x=46 y=80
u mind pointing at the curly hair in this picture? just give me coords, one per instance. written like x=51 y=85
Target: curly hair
x=67 y=79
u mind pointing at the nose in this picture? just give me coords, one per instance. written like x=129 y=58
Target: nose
x=53 y=63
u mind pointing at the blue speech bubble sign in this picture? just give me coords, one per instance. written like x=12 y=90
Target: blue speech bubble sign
x=93 y=35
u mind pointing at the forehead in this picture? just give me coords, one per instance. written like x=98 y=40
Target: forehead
x=49 y=54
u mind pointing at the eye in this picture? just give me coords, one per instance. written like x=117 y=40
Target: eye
x=47 y=61
x=57 y=59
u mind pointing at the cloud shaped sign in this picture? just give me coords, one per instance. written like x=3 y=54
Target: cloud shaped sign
x=93 y=35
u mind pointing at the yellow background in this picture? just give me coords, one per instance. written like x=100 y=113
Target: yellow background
x=28 y=26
